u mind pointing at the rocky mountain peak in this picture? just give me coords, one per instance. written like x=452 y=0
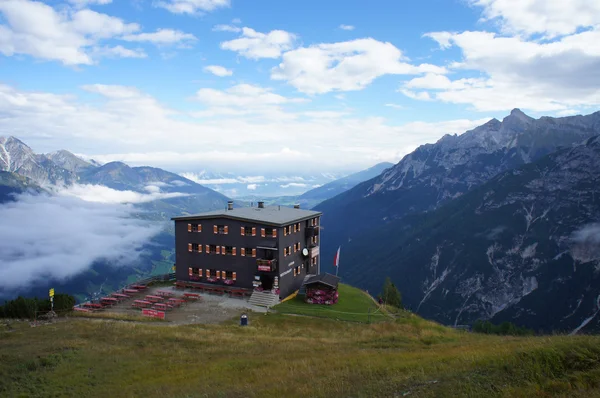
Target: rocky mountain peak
x=517 y=118
x=68 y=160
x=14 y=153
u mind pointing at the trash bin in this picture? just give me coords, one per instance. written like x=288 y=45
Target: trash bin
x=244 y=320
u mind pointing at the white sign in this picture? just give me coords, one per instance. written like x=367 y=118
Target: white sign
x=314 y=252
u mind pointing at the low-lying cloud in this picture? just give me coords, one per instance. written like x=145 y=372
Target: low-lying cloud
x=56 y=237
x=102 y=194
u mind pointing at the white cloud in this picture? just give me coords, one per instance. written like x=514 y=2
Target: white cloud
x=236 y=20
x=123 y=123
x=69 y=236
x=227 y=28
x=244 y=100
x=162 y=36
x=102 y=194
x=218 y=70
x=532 y=75
x=550 y=18
x=255 y=45
x=71 y=36
x=395 y=106
x=118 y=52
x=251 y=187
x=346 y=27
x=87 y=3
x=294 y=185
x=192 y=6
x=344 y=66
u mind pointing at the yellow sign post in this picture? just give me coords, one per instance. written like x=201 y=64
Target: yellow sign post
x=51 y=292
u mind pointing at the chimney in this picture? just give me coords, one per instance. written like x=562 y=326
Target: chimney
x=296 y=206
x=261 y=205
x=230 y=205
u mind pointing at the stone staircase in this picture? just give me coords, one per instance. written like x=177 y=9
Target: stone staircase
x=302 y=290
x=264 y=299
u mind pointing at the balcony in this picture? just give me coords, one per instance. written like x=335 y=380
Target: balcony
x=311 y=231
x=266 y=265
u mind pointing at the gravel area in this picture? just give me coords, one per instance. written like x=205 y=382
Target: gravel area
x=210 y=309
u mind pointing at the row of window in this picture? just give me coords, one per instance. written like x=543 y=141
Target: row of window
x=244 y=231
x=287 y=251
x=198 y=273
x=224 y=250
x=251 y=231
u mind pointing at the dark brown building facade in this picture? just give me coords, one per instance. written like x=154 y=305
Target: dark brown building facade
x=271 y=248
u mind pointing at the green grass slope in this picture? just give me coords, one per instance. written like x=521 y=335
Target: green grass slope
x=353 y=305
x=280 y=355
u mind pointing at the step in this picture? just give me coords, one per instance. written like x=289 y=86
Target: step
x=264 y=299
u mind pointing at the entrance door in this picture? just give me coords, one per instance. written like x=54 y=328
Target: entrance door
x=267 y=281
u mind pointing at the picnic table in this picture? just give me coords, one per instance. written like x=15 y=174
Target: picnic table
x=139 y=287
x=237 y=292
x=176 y=302
x=81 y=309
x=131 y=291
x=162 y=307
x=164 y=293
x=191 y=296
x=141 y=304
x=179 y=285
x=120 y=296
x=92 y=305
x=154 y=299
x=109 y=300
x=217 y=289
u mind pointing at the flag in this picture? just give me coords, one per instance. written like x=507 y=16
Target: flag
x=336 y=261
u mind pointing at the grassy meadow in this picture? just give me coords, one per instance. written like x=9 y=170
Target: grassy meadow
x=281 y=355
x=353 y=305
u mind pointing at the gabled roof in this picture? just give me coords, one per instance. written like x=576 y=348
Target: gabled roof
x=326 y=279
x=273 y=215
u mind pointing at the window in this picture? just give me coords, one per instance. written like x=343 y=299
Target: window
x=196 y=247
x=290 y=250
x=287 y=230
x=285 y=252
x=314 y=260
x=298 y=270
x=214 y=249
x=230 y=250
x=271 y=232
x=221 y=229
x=194 y=227
x=298 y=227
x=295 y=228
x=226 y=274
x=194 y=273
x=247 y=231
x=253 y=252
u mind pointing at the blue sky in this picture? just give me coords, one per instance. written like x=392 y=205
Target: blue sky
x=335 y=85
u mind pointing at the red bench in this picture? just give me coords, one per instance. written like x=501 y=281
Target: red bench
x=164 y=293
x=141 y=304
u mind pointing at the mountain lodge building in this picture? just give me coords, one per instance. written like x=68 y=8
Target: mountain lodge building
x=269 y=248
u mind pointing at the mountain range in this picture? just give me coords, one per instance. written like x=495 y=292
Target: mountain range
x=454 y=255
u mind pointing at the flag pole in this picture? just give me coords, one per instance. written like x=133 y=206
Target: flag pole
x=337 y=261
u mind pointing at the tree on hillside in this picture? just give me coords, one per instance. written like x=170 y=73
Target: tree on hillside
x=390 y=293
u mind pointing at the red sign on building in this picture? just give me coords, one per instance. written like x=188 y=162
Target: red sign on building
x=153 y=313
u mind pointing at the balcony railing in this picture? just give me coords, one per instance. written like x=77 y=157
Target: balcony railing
x=266 y=265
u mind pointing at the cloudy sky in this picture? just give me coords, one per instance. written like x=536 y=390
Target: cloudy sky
x=270 y=84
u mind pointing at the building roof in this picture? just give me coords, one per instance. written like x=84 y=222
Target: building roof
x=326 y=279
x=273 y=215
